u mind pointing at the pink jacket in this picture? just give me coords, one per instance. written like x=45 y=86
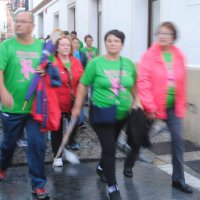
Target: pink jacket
x=152 y=82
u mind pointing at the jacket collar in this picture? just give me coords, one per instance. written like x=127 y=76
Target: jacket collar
x=156 y=51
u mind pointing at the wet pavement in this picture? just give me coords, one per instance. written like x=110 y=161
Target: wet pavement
x=74 y=182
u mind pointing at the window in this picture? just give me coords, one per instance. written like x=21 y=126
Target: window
x=56 y=20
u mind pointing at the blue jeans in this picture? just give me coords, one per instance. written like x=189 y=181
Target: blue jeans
x=13 y=126
x=82 y=116
x=177 y=143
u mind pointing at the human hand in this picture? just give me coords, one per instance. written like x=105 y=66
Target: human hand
x=40 y=71
x=137 y=105
x=150 y=116
x=6 y=98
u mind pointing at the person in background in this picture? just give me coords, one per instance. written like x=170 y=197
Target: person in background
x=82 y=58
x=112 y=78
x=67 y=34
x=70 y=70
x=19 y=58
x=90 y=51
x=77 y=53
x=74 y=35
x=161 y=87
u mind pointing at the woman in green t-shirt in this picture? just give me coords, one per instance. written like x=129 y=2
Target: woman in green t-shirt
x=112 y=78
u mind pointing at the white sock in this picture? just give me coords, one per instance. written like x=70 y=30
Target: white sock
x=99 y=167
x=113 y=188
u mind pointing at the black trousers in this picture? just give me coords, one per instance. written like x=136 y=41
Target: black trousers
x=138 y=127
x=107 y=134
x=56 y=136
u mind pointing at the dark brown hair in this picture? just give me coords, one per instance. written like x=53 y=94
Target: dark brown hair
x=87 y=36
x=116 y=33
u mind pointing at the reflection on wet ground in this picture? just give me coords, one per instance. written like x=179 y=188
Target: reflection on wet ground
x=80 y=182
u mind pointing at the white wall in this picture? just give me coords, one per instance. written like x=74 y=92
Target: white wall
x=186 y=15
x=118 y=15
x=84 y=19
x=34 y=3
x=131 y=21
x=129 y=17
x=155 y=18
x=49 y=10
x=3 y=18
x=139 y=25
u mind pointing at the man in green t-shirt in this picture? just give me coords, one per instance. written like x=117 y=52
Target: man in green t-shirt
x=19 y=58
x=90 y=51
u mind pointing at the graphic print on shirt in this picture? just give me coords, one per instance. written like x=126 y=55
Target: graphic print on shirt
x=26 y=62
x=171 y=79
x=90 y=55
x=26 y=68
x=113 y=77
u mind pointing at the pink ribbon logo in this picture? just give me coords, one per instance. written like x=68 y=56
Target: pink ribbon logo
x=90 y=54
x=26 y=68
x=115 y=86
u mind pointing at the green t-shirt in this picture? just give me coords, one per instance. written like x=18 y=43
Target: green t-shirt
x=103 y=75
x=171 y=89
x=81 y=45
x=90 y=53
x=67 y=65
x=18 y=62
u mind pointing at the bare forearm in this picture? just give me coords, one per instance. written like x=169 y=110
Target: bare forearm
x=80 y=98
x=2 y=86
x=5 y=97
x=136 y=100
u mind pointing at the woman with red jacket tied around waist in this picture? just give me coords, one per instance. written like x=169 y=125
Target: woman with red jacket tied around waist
x=161 y=88
x=70 y=70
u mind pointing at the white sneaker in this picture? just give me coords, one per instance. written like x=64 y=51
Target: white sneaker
x=21 y=143
x=57 y=162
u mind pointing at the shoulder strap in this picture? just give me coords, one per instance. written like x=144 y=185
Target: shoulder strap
x=69 y=76
x=120 y=79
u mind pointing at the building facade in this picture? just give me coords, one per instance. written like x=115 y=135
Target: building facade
x=9 y=9
x=6 y=21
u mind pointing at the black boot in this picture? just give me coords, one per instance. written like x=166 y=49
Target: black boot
x=101 y=174
x=182 y=186
x=128 y=172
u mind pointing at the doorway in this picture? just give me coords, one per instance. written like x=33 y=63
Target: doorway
x=154 y=20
